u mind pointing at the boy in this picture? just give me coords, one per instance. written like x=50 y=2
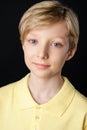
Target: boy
x=45 y=99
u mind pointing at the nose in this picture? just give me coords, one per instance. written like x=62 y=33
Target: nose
x=43 y=52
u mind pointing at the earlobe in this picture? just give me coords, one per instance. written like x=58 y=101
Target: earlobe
x=71 y=53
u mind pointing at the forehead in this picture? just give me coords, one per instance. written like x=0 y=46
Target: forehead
x=50 y=33
x=57 y=29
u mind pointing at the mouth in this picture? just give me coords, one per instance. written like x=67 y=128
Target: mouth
x=41 y=66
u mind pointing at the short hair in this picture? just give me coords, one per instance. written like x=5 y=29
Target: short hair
x=46 y=13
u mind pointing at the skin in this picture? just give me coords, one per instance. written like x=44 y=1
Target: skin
x=45 y=52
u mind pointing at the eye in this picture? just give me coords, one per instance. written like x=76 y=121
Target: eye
x=56 y=44
x=32 y=41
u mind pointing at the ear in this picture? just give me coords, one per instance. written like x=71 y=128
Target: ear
x=71 y=53
x=23 y=46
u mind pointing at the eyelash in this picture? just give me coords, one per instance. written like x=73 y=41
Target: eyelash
x=56 y=44
x=32 y=41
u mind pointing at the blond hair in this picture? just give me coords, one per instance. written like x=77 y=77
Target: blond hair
x=46 y=13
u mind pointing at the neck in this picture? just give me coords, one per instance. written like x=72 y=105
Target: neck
x=42 y=90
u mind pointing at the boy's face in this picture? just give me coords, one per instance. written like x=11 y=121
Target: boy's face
x=46 y=50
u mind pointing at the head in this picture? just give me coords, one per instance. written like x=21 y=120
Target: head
x=49 y=34
x=46 y=13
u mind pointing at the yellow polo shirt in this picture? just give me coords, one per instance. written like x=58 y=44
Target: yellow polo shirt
x=65 y=111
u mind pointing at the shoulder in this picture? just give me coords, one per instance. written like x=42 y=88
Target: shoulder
x=7 y=91
x=80 y=98
x=79 y=101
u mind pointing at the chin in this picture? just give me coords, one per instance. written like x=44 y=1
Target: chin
x=42 y=75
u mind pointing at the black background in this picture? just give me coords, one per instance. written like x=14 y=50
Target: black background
x=12 y=66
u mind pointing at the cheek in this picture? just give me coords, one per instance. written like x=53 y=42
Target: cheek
x=59 y=60
x=27 y=52
x=27 y=55
x=27 y=59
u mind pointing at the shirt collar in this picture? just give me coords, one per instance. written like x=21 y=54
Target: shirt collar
x=57 y=105
x=23 y=99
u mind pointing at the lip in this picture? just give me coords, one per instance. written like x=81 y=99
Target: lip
x=41 y=66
